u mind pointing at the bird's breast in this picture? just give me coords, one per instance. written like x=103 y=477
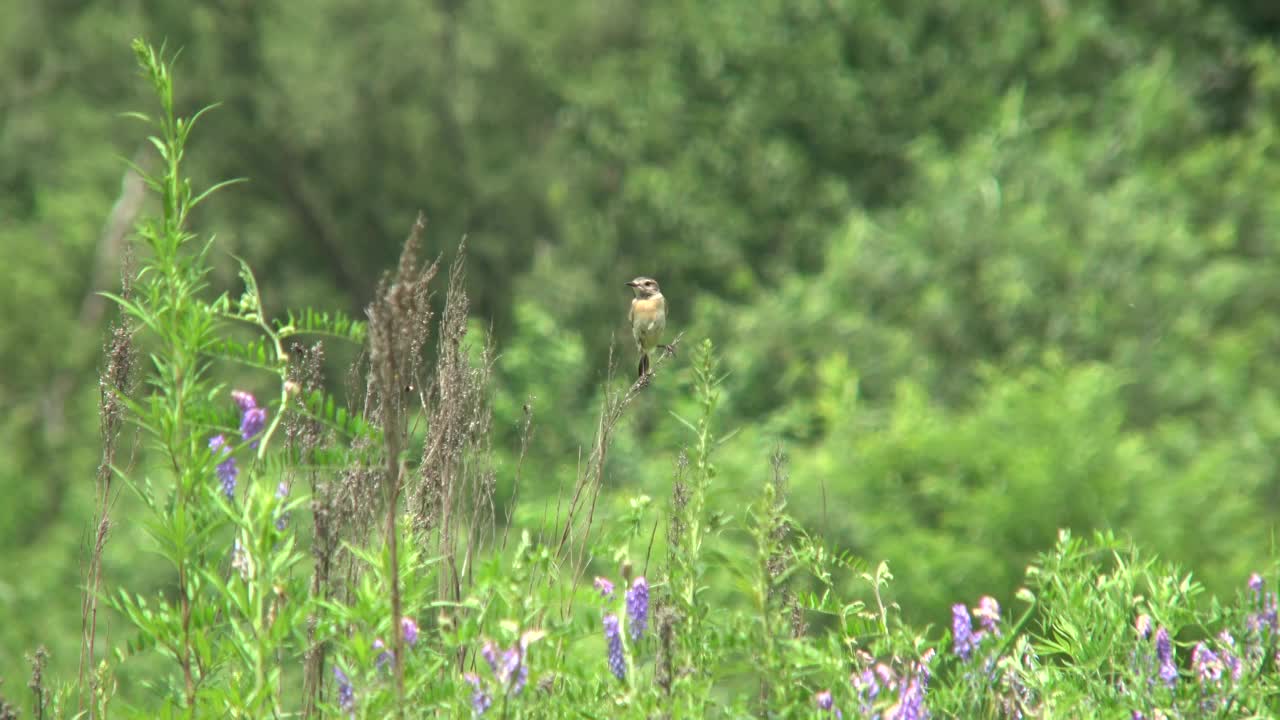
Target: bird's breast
x=648 y=318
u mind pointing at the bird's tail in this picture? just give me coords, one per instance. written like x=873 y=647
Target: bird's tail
x=644 y=363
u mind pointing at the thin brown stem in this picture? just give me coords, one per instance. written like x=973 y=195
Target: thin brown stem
x=611 y=413
x=115 y=383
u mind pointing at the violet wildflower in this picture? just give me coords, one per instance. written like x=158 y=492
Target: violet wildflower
x=384 y=657
x=871 y=683
x=1206 y=664
x=868 y=686
x=613 y=636
x=346 y=693
x=489 y=651
x=507 y=665
x=964 y=641
x=910 y=684
x=527 y=638
x=1261 y=624
x=885 y=674
x=922 y=665
x=244 y=400
x=514 y=671
x=226 y=470
x=604 y=587
x=1230 y=660
x=1164 y=653
x=509 y=668
x=638 y=607
x=1137 y=715
x=825 y=701
x=866 y=683
x=910 y=703
x=480 y=700
x=282 y=492
x=410 y=629
x=1142 y=624
x=522 y=677
x=252 y=417
x=988 y=614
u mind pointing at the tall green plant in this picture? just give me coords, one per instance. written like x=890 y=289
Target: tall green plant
x=215 y=516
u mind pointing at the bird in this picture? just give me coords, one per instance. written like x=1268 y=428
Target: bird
x=648 y=316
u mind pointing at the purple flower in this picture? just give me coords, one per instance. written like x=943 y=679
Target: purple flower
x=514 y=669
x=605 y=587
x=1142 y=624
x=988 y=614
x=508 y=665
x=964 y=641
x=910 y=703
x=227 y=473
x=346 y=693
x=921 y=666
x=1137 y=715
x=869 y=683
x=244 y=400
x=252 y=423
x=509 y=669
x=613 y=636
x=1260 y=626
x=282 y=492
x=252 y=417
x=885 y=674
x=638 y=607
x=226 y=470
x=1164 y=653
x=384 y=657
x=866 y=684
x=910 y=685
x=868 y=687
x=489 y=651
x=1229 y=659
x=1262 y=622
x=824 y=701
x=1206 y=664
x=480 y=700
x=410 y=629
x=827 y=703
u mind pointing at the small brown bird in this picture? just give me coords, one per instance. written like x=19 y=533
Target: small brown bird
x=648 y=317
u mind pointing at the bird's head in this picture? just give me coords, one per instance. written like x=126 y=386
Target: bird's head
x=644 y=287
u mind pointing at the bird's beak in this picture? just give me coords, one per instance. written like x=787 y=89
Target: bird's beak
x=631 y=283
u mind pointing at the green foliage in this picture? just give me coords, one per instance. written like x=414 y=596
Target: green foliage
x=981 y=284
x=241 y=613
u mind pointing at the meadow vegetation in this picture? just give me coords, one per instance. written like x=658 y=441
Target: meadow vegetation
x=968 y=413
